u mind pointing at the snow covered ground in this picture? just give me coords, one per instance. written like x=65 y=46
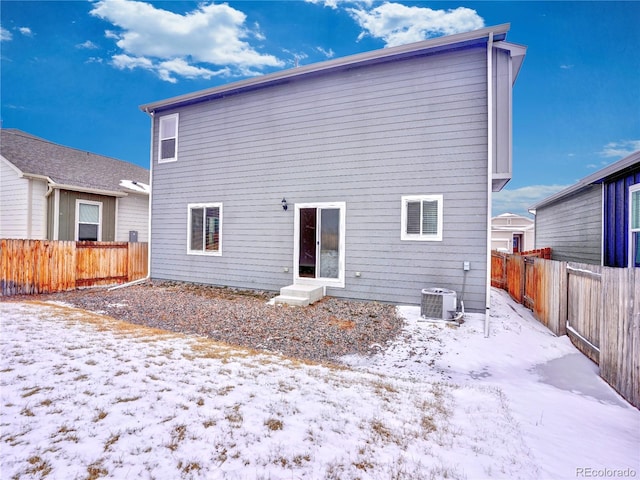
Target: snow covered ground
x=85 y=396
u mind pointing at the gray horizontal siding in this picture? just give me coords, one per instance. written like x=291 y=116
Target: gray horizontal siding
x=572 y=227
x=365 y=137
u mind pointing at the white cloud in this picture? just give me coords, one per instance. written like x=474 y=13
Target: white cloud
x=5 y=35
x=620 y=149
x=519 y=200
x=180 y=67
x=399 y=24
x=174 y=45
x=89 y=45
x=26 y=31
x=566 y=67
x=335 y=3
x=327 y=3
x=327 y=53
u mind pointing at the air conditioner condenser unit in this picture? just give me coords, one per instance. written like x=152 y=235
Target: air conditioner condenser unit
x=438 y=304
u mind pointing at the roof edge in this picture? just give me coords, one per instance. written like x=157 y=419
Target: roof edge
x=601 y=174
x=97 y=191
x=499 y=34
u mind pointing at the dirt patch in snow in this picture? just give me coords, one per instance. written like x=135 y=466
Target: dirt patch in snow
x=320 y=332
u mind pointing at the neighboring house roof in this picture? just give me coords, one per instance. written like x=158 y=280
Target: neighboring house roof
x=615 y=169
x=514 y=222
x=70 y=168
x=512 y=228
x=426 y=47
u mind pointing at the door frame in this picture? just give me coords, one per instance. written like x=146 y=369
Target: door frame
x=320 y=281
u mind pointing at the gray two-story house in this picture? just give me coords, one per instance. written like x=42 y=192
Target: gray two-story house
x=369 y=176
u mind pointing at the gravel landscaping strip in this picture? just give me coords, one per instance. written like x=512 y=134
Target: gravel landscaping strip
x=321 y=332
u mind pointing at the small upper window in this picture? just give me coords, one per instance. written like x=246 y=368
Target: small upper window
x=168 y=145
x=88 y=220
x=205 y=228
x=422 y=218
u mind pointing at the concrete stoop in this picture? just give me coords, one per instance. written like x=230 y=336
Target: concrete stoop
x=299 y=295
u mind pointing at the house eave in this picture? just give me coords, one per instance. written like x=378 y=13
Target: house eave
x=96 y=191
x=424 y=47
x=594 y=178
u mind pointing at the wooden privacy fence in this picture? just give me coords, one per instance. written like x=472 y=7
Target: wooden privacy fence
x=45 y=266
x=597 y=307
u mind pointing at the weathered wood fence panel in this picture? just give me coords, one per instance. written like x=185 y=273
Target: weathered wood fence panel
x=620 y=332
x=531 y=283
x=584 y=296
x=44 y=266
x=515 y=277
x=499 y=270
x=597 y=307
x=101 y=263
x=138 y=261
x=550 y=306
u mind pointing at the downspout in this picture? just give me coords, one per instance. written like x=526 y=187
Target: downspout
x=489 y=177
x=151 y=114
x=148 y=276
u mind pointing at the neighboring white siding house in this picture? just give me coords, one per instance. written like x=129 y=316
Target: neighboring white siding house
x=130 y=210
x=24 y=207
x=370 y=175
x=512 y=233
x=43 y=186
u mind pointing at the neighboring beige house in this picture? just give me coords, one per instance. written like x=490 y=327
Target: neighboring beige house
x=512 y=233
x=48 y=191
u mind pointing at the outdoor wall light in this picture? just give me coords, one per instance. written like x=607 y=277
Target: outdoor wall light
x=284 y=204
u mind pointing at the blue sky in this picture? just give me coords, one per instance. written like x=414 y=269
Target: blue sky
x=75 y=72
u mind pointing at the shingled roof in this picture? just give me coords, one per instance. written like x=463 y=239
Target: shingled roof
x=70 y=167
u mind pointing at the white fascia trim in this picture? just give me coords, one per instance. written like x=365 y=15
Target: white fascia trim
x=12 y=166
x=96 y=191
x=517 y=54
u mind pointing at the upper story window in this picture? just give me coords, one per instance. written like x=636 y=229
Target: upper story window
x=168 y=139
x=422 y=217
x=205 y=229
x=88 y=220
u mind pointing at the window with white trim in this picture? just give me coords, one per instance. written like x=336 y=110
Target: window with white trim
x=634 y=225
x=204 y=229
x=168 y=139
x=88 y=220
x=422 y=218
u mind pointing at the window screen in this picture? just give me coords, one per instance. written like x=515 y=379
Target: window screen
x=422 y=217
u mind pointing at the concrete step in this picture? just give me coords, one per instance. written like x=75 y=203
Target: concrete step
x=300 y=295
x=294 y=301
